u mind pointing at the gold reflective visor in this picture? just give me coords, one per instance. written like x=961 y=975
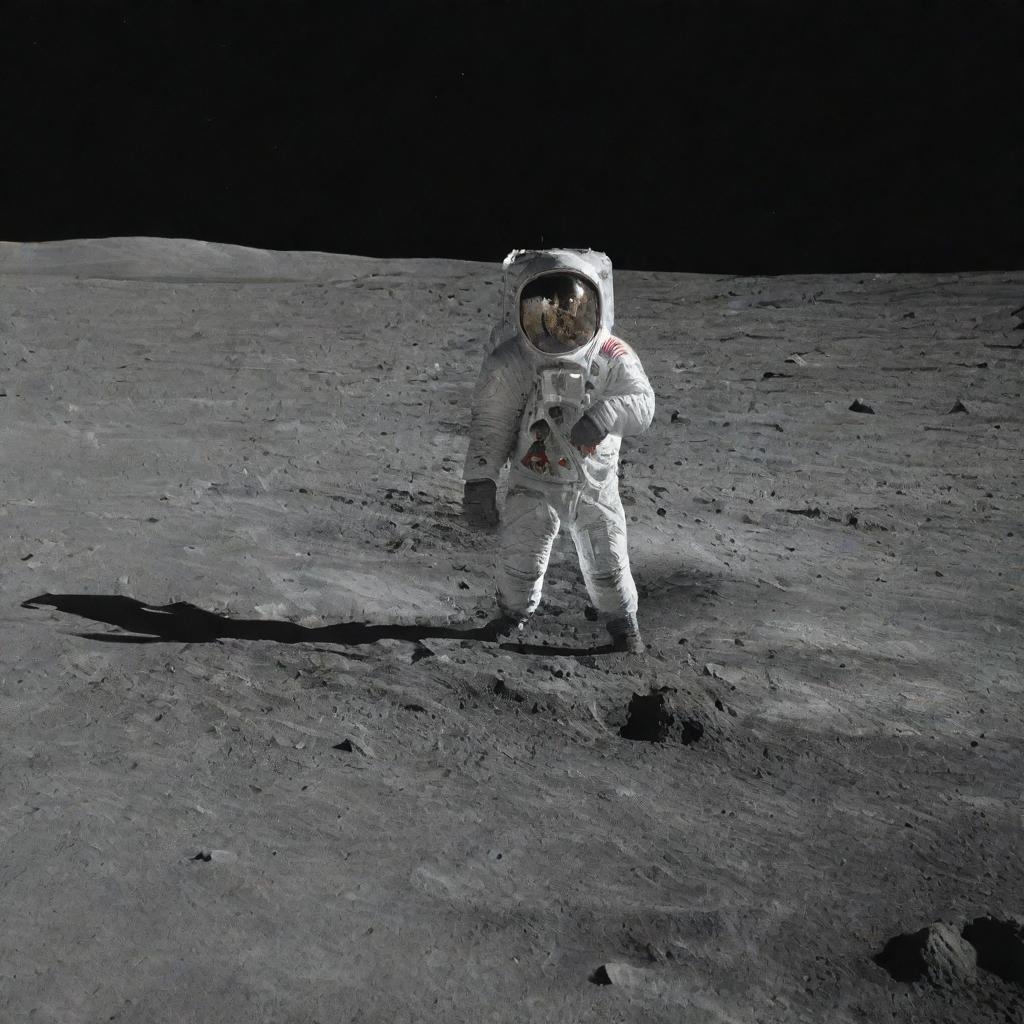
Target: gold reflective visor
x=559 y=312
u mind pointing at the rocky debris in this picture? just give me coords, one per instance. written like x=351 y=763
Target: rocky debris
x=217 y=856
x=937 y=953
x=623 y=975
x=651 y=981
x=850 y=519
x=720 y=705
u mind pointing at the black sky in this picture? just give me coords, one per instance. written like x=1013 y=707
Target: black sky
x=702 y=135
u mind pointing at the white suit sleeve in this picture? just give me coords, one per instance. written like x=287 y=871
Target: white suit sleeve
x=627 y=406
x=498 y=403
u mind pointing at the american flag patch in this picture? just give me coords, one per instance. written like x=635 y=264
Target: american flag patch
x=615 y=348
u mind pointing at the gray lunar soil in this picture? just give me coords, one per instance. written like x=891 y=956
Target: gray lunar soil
x=257 y=766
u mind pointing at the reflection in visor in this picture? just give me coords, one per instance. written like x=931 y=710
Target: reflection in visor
x=559 y=312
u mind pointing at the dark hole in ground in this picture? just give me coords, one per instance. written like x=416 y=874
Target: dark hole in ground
x=345 y=745
x=648 y=718
x=903 y=956
x=600 y=977
x=203 y=855
x=1000 y=946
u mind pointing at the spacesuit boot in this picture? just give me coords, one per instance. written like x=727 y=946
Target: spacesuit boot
x=505 y=627
x=625 y=634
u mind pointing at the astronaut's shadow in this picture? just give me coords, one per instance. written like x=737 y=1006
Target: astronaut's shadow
x=182 y=622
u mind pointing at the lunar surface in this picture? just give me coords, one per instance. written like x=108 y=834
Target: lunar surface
x=260 y=765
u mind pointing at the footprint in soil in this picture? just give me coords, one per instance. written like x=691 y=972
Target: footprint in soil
x=506 y=693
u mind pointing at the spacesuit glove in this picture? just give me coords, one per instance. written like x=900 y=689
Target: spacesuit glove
x=479 y=504
x=586 y=433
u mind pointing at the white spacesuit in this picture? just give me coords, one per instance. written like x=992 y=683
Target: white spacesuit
x=556 y=395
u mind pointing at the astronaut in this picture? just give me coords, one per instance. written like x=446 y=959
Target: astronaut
x=555 y=396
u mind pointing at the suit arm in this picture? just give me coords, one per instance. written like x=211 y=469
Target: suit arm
x=498 y=405
x=627 y=406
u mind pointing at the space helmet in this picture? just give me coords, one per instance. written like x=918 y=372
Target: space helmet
x=559 y=311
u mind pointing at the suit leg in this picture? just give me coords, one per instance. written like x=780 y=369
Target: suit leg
x=529 y=526
x=601 y=539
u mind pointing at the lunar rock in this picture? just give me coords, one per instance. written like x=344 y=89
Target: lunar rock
x=937 y=953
